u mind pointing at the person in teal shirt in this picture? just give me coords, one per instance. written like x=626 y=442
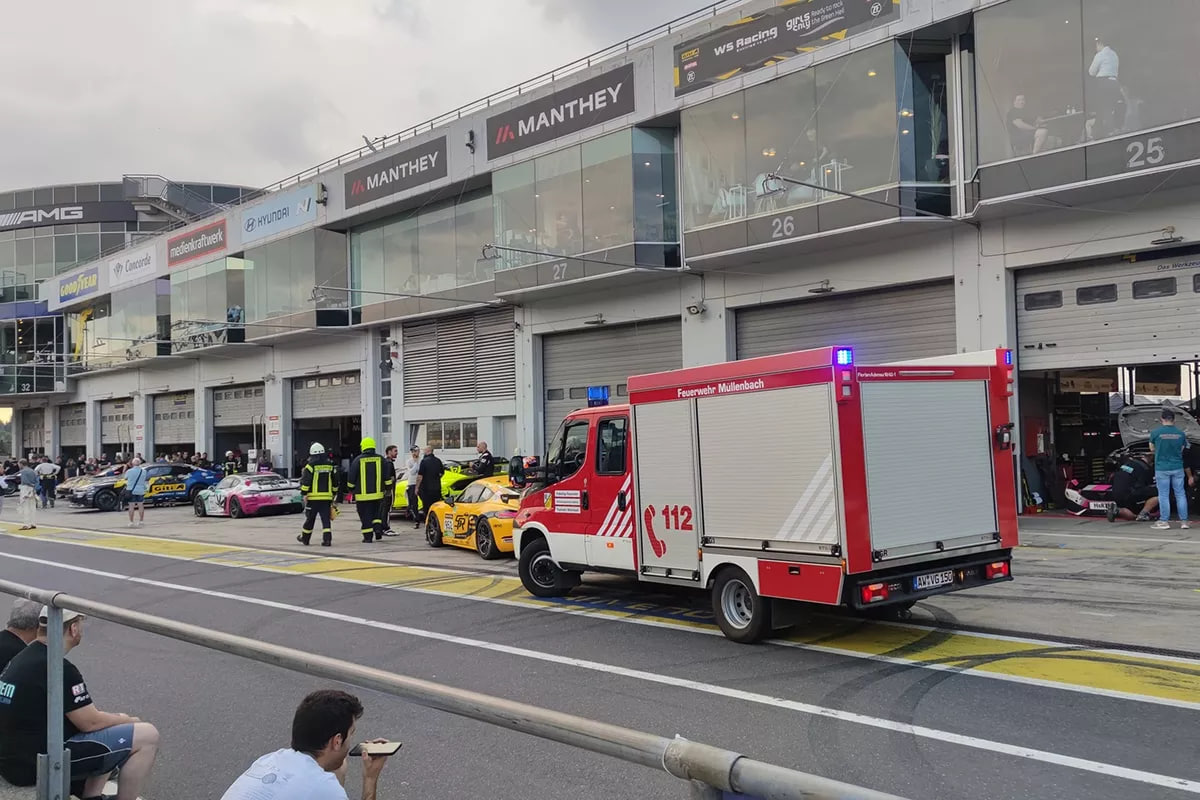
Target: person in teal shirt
x=1168 y=444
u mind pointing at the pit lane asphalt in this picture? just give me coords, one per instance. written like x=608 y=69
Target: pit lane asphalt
x=218 y=713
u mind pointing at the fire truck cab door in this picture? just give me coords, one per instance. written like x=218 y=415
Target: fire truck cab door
x=669 y=525
x=610 y=493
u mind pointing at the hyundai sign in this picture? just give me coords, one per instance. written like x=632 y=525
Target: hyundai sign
x=281 y=212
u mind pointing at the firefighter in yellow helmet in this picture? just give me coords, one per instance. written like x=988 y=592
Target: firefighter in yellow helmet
x=318 y=484
x=369 y=477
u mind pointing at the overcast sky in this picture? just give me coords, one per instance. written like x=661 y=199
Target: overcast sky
x=251 y=91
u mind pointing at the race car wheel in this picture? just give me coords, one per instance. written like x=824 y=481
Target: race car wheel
x=198 y=507
x=485 y=541
x=193 y=492
x=743 y=615
x=433 y=531
x=539 y=574
x=235 y=509
x=106 y=500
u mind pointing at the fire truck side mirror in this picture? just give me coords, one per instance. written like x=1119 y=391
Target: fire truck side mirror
x=516 y=471
x=1004 y=436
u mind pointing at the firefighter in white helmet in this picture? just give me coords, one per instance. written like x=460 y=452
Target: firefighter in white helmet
x=318 y=484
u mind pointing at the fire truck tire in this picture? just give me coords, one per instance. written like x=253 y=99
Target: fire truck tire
x=743 y=615
x=539 y=574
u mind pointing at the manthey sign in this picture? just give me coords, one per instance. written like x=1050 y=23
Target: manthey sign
x=281 y=212
x=132 y=267
x=67 y=214
x=768 y=37
x=397 y=173
x=197 y=243
x=605 y=97
x=81 y=284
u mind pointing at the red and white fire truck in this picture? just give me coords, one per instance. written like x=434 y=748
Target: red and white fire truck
x=783 y=480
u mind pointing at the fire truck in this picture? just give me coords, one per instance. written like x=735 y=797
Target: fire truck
x=781 y=482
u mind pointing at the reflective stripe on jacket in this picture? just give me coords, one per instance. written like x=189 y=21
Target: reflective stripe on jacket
x=367 y=477
x=317 y=481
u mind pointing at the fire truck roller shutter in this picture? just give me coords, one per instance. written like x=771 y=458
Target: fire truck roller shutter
x=882 y=326
x=573 y=361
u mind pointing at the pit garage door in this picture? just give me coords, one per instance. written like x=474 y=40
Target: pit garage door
x=1108 y=314
x=460 y=358
x=571 y=362
x=116 y=421
x=890 y=325
x=238 y=406
x=72 y=425
x=33 y=430
x=175 y=418
x=327 y=396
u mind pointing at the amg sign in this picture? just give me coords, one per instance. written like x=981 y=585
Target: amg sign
x=67 y=214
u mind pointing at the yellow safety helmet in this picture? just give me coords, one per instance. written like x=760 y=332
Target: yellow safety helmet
x=367 y=443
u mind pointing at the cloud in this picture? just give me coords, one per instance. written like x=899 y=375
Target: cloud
x=250 y=91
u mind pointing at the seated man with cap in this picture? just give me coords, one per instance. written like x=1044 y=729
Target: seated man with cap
x=99 y=741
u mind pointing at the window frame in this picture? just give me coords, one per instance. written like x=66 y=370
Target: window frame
x=600 y=445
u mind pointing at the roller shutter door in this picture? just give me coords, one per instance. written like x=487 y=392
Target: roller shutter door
x=237 y=406
x=460 y=358
x=33 y=429
x=327 y=396
x=175 y=418
x=72 y=425
x=892 y=325
x=1108 y=314
x=571 y=362
x=116 y=421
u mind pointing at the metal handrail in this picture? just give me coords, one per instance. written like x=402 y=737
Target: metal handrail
x=516 y=90
x=709 y=770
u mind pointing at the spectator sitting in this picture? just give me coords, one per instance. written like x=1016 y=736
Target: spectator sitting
x=314 y=768
x=99 y=741
x=22 y=629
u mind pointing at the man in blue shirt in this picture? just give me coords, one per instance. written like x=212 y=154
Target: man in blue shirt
x=1168 y=444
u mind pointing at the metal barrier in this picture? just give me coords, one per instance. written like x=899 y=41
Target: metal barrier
x=711 y=773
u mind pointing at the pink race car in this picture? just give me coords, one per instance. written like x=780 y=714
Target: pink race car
x=247 y=494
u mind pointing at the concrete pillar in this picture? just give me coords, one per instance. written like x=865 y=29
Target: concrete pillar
x=203 y=420
x=983 y=290
x=91 y=411
x=277 y=401
x=708 y=335
x=368 y=382
x=530 y=391
x=143 y=427
x=18 y=434
x=50 y=434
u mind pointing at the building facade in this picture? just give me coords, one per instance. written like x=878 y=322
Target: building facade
x=911 y=178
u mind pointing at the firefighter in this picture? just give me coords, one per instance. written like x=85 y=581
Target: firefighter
x=318 y=484
x=231 y=464
x=368 y=481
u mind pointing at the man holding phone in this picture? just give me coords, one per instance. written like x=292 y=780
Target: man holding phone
x=314 y=767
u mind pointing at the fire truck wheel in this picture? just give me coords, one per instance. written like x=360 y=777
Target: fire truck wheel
x=743 y=615
x=539 y=574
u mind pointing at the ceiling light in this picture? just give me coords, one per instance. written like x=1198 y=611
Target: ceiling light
x=735 y=116
x=871 y=73
x=769 y=152
x=905 y=131
x=647 y=163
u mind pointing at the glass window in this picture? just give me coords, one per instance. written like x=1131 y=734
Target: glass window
x=857 y=119
x=87 y=193
x=578 y=393
x=7 y=260
x=112 y=191
x=433 y=434
x=655 y=196
x=43 y=258
x=64 y=251
x=924 y=127
x=112 y=227
x=225 y=195
x=1156 y=287
x=782 y=136
x=111 y=241
x=24 y=198
x=512 y=189
x=437 y=265
x=366 y=254
x=451 y=435
x=6 y=201
x=401 y=252
x=558 y=200
x=473 y=222
x=1038 y=301
x=1091 y=295
x=554 y=394
x=1196 y=282
x=470 y=434
x=714 y=161
x=608 y=191
x=43 y=197
x=568 y=449
x=64 y=194
x=87 y=246
x=472 y=494
x=610 y=451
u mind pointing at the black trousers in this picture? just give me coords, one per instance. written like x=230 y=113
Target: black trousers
x=311 y=511
x=414 y=505
x=427 y=502
x=370 y=514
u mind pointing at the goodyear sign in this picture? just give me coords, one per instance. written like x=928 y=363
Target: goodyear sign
x=72 y=287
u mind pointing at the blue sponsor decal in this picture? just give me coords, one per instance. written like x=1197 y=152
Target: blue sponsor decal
x=81 y=285
x=280 y=212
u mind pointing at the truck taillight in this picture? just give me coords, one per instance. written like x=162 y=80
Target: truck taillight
x=874 y=593
x=997 y=569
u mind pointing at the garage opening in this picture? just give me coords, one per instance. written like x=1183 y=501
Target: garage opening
x=239 y=421
x=174 y=424
x=33 y=431
x=326 y=409
x=116 y=427
x=72 y=430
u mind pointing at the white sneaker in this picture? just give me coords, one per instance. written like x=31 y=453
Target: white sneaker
x=1184 y=525
x=1161 y=526
x=133 y=524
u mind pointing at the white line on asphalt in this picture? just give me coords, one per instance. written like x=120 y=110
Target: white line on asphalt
x=1096 y=614
x=1105 y=536
x=956 y=668
x=920 y=731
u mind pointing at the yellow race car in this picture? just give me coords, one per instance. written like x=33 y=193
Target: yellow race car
x=479 y=519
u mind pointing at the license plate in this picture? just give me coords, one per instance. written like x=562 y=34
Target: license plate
x=933 y=580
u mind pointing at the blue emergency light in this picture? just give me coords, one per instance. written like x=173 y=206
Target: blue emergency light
x=1008 y=358
x=843 y=356
x=597 y=396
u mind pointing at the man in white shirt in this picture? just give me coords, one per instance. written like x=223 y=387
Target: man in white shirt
x=410 y=474
x=1104 y=103
x=314 y=768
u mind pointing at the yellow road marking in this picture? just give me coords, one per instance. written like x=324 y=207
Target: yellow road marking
x=1176 y=682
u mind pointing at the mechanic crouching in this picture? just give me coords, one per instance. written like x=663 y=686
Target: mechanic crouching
x=318 y=485
x=1133 y=489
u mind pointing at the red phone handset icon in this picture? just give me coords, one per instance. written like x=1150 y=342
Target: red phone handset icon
x=657 y=544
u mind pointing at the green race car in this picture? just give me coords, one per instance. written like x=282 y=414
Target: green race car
x=458 y=476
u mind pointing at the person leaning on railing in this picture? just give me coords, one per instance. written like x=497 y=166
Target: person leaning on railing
x=314 y=767
x=99 y=741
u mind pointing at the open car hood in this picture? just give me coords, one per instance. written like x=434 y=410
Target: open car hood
x=1136 y=422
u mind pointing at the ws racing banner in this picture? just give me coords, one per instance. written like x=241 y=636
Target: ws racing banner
x=774 y=35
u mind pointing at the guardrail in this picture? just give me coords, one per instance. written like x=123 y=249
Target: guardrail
x=709 y=772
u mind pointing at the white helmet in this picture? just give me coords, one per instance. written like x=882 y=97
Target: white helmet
x=316 y=449
x=229 y=454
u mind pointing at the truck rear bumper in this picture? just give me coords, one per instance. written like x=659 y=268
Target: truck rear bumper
x=906 y=585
